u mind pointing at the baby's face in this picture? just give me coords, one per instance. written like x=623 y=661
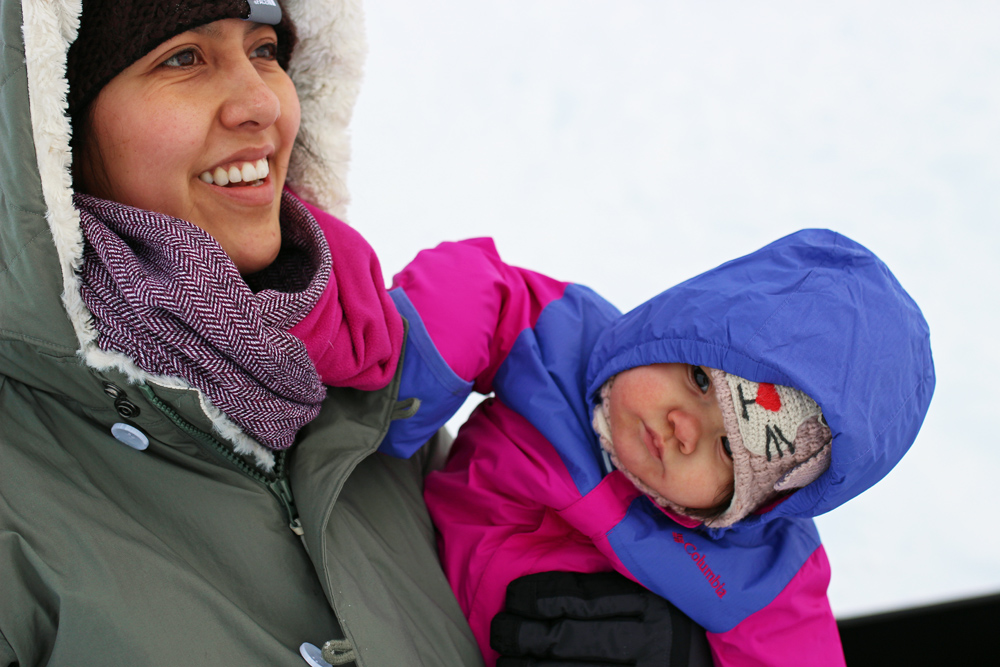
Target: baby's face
x=667 y=430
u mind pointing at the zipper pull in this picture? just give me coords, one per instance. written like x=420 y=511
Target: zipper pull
x=283 y=490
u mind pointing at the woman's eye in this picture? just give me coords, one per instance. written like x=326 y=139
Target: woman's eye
x=725 y=446
x=182 y=59
x=267 y=51
x=700 y=378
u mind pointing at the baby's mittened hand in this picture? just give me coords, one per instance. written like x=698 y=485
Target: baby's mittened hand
x=571 y=619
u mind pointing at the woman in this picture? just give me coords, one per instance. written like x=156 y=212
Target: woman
x=152 y=507
x=176 y=488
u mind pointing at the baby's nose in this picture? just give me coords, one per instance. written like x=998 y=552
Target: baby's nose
x=687 y=429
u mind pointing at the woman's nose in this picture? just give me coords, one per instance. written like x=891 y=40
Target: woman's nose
x=687 y=429
x=250 y=103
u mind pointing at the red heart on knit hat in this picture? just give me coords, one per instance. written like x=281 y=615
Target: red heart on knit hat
x=767 y=397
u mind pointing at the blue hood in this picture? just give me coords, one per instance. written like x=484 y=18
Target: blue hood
x=815 y=311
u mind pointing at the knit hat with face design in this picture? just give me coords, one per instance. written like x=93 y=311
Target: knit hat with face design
x=777 y=435
x=115 y=33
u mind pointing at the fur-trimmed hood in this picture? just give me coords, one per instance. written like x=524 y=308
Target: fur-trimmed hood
x=43 y=320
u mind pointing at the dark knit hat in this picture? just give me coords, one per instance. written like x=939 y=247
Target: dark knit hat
x=115 y=33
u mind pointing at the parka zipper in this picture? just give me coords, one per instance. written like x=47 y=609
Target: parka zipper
x=278 y=486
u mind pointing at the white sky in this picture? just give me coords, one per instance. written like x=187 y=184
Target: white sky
x=630 y=144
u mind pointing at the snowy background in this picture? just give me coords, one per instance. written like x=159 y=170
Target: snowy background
x=629 y=145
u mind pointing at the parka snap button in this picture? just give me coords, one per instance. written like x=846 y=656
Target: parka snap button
x=126 y=408
x=130 y=435
x=113 y=390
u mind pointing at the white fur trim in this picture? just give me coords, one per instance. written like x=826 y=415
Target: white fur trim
x=327 y=81
x=242 y=443
x=49 y=29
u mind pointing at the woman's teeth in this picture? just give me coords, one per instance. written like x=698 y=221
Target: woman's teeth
x=249 y=172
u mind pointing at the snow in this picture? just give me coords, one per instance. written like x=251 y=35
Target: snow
x=631 y=145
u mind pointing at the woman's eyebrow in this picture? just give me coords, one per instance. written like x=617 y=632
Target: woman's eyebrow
x=212 y=30
x=208 y=29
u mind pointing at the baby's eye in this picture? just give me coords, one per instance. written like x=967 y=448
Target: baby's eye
x=187 y=58
x=700 y=378
x=267 y=51
x=725 y=446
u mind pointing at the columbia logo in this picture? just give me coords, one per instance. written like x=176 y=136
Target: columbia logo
x=699 y=560
x=269 y=3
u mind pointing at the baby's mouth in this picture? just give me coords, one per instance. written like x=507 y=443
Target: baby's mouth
x=650 y=440
x=247 y=173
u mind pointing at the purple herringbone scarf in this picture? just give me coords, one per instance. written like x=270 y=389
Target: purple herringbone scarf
x=164 y=293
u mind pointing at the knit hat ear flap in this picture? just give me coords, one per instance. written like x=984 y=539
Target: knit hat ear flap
x=809 y=470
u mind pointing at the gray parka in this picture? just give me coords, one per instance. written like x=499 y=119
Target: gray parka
x=182 y=554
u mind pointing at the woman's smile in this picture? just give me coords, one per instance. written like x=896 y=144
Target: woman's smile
x=241 y=182
x=257 y=192
x=248 y=173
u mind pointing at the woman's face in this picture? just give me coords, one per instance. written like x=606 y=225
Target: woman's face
x=169 y=133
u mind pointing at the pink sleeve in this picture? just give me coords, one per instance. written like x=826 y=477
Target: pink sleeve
x=796 y=629
x=473 y=305
x=493 y=506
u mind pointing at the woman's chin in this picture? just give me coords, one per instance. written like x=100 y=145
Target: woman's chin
x=252 y=262
x=250 y=235
x=253 y=252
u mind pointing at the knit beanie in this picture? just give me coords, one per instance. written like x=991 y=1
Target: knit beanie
x=115 y=33
x=777 y=435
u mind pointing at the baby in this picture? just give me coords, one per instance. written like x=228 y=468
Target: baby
x=686 y=444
